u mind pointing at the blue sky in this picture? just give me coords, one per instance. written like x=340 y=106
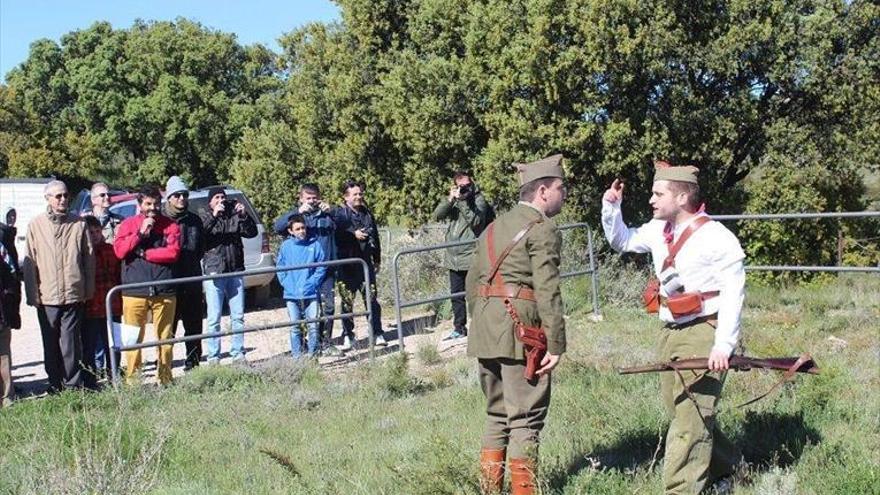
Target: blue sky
x=255 y=21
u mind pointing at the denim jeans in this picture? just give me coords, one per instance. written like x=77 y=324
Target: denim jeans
x=217 y=292
x=303 y=309
x=96 y=347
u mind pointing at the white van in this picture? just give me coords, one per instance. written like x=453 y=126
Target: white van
x=28 y=199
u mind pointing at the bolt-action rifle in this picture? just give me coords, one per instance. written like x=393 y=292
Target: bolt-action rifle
x=791 y=365
x=802 y=364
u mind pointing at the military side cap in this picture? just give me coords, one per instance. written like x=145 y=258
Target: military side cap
x=665 y=171
x=545 y=167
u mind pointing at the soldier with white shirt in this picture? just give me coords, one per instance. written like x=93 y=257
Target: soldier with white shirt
x=700 y=290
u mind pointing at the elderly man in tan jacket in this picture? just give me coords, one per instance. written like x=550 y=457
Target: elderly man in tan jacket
x=59 y=270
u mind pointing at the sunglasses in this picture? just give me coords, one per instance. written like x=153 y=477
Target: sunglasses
x=103 y=195
x=183 y=195
x=59 y=195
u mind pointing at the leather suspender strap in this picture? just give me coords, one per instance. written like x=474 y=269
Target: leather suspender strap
x=490 y=245
x=693 y=227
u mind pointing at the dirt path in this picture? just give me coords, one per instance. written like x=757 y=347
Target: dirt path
x=30 y=380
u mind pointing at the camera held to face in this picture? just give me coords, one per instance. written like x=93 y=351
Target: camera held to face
x=465 y=190
x=229 y=206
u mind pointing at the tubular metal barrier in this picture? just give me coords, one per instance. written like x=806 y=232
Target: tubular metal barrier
x=116 y=347
x=399 y=304
x=805 y=216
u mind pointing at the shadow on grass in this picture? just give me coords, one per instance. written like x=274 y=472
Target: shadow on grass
x=634 y=449
x=770 y=439
x=767 y=440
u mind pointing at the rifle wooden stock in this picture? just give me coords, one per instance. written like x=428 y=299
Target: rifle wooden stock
x=738 y=363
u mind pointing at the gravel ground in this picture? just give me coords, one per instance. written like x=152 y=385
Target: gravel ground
x=29 y=376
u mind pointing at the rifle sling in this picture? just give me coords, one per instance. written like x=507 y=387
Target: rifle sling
x=788 y=375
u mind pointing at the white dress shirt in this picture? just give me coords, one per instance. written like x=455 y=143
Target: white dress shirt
x=711 y=259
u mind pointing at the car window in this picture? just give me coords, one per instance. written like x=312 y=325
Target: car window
x=124 y=210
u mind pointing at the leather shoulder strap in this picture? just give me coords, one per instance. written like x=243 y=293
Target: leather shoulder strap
x=675 y=248
x=490 y=246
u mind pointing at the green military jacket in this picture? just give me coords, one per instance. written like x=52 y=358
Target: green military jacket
x=467 y=220
x=533 y=263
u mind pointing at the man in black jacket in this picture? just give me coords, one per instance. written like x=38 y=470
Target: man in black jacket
x=357 y=237
x=192 y=248
x=225 y=222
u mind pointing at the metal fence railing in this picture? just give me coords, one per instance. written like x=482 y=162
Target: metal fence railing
x=399 y=303
x=117 y=348
x=804 y=216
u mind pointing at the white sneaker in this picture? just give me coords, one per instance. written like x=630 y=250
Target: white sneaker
x=346 y=344
x=380 y=340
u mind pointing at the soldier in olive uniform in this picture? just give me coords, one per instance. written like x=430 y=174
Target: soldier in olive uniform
x=528 y=277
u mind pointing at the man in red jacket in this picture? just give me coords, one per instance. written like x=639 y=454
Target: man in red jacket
x=148 y=245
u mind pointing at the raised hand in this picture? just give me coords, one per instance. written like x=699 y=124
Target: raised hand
x=614 y=194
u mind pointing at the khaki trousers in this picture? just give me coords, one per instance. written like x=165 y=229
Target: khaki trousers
x=6 y=390
x=134 y=312
x=696 y=451
x=515 y=408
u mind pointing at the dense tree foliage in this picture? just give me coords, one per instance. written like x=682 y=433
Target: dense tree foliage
x=778 y=101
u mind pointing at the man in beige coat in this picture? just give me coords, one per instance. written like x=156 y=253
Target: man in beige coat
x=59 y=271
x=528 y=279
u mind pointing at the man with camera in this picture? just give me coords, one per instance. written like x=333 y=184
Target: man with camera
x=357 y=237
x=320 y=225
x=225 y=222
x=469 y=214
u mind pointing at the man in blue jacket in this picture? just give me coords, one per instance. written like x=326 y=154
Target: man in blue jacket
x=301 y=286
x=320 y=226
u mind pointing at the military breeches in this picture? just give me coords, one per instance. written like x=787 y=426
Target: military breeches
x=515 y=408
x=696 y=451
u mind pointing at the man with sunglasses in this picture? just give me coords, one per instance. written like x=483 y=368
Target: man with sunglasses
x=100 y=195
x=192 y=248
x=59 y=274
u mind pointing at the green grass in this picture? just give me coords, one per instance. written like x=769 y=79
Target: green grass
x=289 y=427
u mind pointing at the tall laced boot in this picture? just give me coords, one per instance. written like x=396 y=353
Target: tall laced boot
x=492 y=471
x=522 y=476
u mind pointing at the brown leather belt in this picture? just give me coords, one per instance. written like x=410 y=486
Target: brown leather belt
x=710 y=319
x=508 y=291
x=703 y=295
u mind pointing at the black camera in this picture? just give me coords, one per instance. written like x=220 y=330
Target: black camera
x=229 y=206
x=465 y=191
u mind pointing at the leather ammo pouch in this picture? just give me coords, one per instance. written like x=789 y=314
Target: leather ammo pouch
x=533 y=339
x=689 y=303
x=651 y=296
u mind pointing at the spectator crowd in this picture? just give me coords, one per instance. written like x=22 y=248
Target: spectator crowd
x=72 y=261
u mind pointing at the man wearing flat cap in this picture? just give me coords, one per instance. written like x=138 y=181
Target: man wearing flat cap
x=513 y=286
x=698 y=296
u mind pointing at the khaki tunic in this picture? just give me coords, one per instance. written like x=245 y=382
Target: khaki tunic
x=533 y=263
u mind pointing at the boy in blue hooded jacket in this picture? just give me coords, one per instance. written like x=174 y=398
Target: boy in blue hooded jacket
x=301 y=286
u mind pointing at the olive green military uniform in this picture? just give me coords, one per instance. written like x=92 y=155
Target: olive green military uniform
x=515 y=408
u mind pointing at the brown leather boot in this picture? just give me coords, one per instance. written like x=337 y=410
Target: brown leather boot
x=522 y=476
x=492 y=470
